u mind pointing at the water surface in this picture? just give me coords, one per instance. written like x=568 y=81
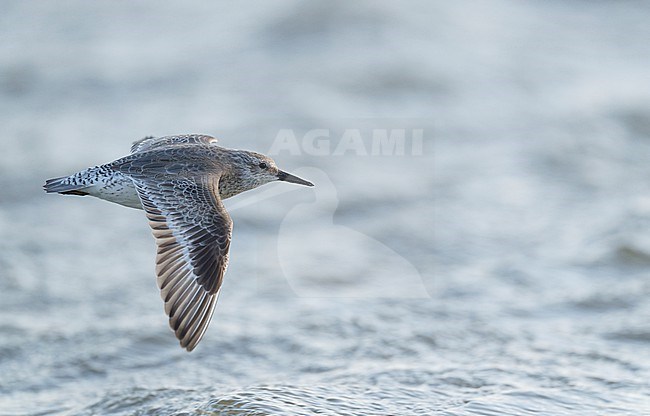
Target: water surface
x=503 y=271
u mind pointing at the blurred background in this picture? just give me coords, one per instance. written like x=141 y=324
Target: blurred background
x=502 y=269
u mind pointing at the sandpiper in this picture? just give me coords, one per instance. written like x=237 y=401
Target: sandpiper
x=180 y=182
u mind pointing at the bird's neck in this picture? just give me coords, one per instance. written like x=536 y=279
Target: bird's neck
x=228 y=186
x=234 y=182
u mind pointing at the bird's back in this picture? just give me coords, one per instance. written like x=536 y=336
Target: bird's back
x=186 y=160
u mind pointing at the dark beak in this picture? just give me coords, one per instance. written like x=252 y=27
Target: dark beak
x=287 y=177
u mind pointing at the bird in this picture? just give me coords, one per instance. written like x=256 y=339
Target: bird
x=180 y=182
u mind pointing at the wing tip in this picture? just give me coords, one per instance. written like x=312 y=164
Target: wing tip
x=149 y=142
x=192 y=333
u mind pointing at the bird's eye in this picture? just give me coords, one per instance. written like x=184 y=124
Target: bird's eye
x=263 y=165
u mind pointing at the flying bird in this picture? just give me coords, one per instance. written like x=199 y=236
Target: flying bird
x=180 y=182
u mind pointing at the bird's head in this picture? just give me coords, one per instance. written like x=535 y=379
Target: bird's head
x=256 y=169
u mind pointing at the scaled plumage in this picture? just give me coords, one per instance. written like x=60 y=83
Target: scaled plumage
x=180 y=182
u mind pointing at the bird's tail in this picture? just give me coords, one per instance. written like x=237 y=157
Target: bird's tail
x=63 y=186
x=75 y=184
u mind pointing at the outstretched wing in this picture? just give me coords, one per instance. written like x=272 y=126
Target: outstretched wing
x=151 y=142
x=192 y=230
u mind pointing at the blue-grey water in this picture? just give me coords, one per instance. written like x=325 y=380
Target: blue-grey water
x=502 y=268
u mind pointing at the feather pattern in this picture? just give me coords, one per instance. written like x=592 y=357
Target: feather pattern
x=192 y=230
x=180 y=182
x=151 y=142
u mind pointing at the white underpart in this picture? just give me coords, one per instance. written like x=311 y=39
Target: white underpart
x=116 y=188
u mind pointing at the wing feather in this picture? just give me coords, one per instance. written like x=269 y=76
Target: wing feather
x=192 y=231
x=151 y=142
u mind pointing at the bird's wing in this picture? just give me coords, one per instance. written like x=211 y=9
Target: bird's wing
x=151 y=142
x=192 y=230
